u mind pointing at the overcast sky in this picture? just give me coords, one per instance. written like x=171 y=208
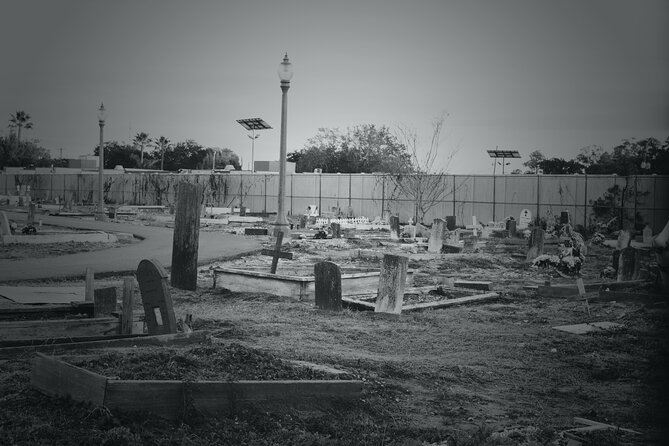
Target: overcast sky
x=522 y=75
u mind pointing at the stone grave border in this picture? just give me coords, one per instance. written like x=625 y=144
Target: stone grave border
x=56 y=377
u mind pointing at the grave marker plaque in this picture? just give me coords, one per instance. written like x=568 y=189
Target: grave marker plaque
x=327 y=286
x=156 y=298
x=391 y=284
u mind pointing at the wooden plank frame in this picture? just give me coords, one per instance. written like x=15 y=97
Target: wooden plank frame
x=55 y=377
x=364 y=305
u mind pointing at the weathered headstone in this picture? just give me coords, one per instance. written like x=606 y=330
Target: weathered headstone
x=628 y=264
x=31 y=214
x=304 y=219
x=156 y=298
x=327 y=286
x=624 y=239
x=564 y=218
x=394 y=227
x=511 y=227
x=104 y=302
x=450 y=222
x=5 y=228
x=536 y=244
x=524 y=219
x=647 y=235
x=186 y=236
x=436 y=240
x=336 y=230
x=391 y=284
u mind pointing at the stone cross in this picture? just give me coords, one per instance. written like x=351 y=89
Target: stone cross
x=536 y=244
x=394 y=227
x=327 y=286
x=436 y=241
x=391 y=284
x=276 y=253
x=156 y=298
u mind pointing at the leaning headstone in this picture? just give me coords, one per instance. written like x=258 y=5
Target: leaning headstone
x=327 y=286
x=156 y=298
x=624 y=239
x=31 y=214
x=450 y=222
x=391 y=284
x=647 y=235
x=5 y=228
x=186 y=236
x=436 y=240
x=394 y=227
x=336 y=230
x=524 y=219
x=536 y=244
x=628 y=264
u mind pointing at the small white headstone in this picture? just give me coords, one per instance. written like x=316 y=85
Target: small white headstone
x=525 y=219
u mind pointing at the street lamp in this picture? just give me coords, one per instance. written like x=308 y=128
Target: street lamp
x=100 y=214
x=285 y=72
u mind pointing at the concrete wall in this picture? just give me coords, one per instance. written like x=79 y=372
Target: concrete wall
x=485 y=196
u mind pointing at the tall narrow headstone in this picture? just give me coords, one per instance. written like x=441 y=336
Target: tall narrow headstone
x=5 y=228
x=391 y=284
x=436 y=241
x=336 y=230
x=186 y=236
x=31 y=214
x=327 y=286
x=394 y=227
x=536 y=244
x=624 y=239
x=628 y=264
x=647 y=235
x=156 y=298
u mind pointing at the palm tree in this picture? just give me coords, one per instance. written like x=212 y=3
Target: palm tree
x=161 y=143
x=20 y=120
x=141 y=139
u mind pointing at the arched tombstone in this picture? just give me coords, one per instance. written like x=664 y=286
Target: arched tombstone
x=327 y=286
x=156 y=297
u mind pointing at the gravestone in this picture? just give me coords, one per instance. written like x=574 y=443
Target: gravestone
x=336 y=230
x=450 y=222
x=391 y=284
x=327 y=286
x=564 y=218
x=647 y=235
x=104 y=301
x=156 y=298
x=536 y=244
x=628 y=264
x=410 y=230
x=31 y=214
x=5 y=228
x=524 y=219
x=624 y=239
x=394 y=227
x=470 y=243
x=304 y=219
x=511 y=227
x=436 y=240
x=186 y=237
x=421 y=231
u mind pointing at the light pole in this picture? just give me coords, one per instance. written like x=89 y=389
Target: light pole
x=100 y=214
x=281 y=224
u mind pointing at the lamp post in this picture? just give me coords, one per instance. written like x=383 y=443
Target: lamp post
x=100 y=213
x=281 y=224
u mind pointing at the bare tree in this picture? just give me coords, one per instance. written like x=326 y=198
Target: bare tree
x=426 y=182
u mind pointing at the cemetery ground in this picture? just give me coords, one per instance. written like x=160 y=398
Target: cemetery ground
x=486 y=373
